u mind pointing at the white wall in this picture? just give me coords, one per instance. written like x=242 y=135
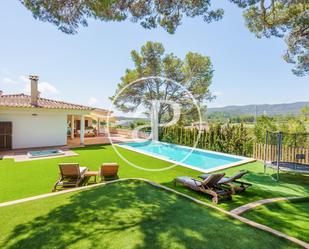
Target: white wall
x=44 y=129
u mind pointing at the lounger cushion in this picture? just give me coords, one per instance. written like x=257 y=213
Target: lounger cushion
x=203 y=176
x=188 y=181
x=82 y=170
x=226 y=180
x=222 y=181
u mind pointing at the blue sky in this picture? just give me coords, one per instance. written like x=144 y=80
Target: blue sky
x=85 y=68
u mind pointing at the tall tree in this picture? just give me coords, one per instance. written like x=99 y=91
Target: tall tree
x=265 y=18
x=193 y=73
x=282 y=18
x=68 y=15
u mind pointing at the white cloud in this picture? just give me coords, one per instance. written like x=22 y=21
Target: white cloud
x=45 y=88
x=24 y=79
x=9 y=81
x=22 y=83
x=93 y=101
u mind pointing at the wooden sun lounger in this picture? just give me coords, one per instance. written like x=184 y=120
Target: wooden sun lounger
x=232 y=182
x=109 y=171
x=209 y=186
x=71 y=175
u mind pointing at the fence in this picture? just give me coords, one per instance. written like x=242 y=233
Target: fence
x=288 y=154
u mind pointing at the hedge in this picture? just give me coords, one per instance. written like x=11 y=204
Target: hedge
x=232 y=139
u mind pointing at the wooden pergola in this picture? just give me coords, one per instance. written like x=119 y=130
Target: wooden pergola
x=80 y=122
x=101 y=115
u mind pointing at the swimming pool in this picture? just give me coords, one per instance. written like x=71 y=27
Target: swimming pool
x=202 y=160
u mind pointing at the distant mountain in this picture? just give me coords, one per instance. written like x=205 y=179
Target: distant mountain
x=130 y=118
x=275 y=109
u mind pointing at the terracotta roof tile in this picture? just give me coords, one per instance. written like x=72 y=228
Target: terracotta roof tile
x=23 y=100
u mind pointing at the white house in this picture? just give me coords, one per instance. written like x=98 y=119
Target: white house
x=28 y=121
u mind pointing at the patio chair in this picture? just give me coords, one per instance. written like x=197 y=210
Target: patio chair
x=209 y=186
x=71 y=175
x=232 y=182
x=109 y=171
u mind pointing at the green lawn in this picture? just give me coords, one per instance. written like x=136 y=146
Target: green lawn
x=24 y=179
x=125 y=215
x=288 y=217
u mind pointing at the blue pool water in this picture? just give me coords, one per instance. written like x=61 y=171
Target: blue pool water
x=200 y=159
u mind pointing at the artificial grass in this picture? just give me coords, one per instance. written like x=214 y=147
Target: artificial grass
x=264 y=186
x=290 y=217
x=126 y=215
x=24 y=179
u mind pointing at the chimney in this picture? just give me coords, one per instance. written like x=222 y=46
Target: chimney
x=34 y=90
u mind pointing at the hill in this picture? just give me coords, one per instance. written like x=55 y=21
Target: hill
x=268 y=109
x=130 y=118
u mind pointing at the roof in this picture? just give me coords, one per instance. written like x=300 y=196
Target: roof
x=102 y=114
x=101 y=110
x=23 y=100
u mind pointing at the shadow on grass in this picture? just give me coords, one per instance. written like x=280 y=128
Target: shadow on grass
x=263 y=187
x=135 y=215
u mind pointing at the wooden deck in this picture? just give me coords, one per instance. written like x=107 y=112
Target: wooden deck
x=115 y=138
x=73 y=143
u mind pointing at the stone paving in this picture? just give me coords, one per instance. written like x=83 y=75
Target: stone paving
x=255 y=204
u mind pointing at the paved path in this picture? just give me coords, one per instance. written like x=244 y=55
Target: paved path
x=255 y=204
x=236 y=216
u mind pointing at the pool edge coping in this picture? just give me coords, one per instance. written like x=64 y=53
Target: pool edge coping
x=244 y=160
x=24 y=158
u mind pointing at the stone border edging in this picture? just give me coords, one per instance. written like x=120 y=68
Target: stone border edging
x=247 y=207
x=228 y=213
